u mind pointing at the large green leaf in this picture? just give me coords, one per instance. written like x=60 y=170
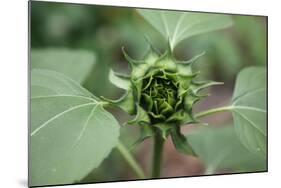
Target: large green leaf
x=219 y=149
x=75 y=64
x=46 y=82
x=249 y=109
x=70 y=132
x=177 y=26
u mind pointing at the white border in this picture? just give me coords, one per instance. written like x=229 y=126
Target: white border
x=13 y=79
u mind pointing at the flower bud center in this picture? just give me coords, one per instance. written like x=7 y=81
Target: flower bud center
x=160 y=96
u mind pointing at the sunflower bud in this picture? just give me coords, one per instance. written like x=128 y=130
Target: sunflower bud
x=161 y=92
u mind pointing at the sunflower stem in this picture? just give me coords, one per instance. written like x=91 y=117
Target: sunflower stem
x=157 y=156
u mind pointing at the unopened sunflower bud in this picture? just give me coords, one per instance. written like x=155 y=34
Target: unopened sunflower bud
x=161 y=93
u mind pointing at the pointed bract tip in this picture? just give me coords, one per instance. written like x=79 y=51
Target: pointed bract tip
x=193 y=60
x=130 y=60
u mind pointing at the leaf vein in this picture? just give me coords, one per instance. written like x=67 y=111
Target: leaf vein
x=248 y=108
x=51 y=96
x=236 y=99
x=85 y=126
x=165 y=23
x=177 y=28
x=57 y=116
x=252 y=123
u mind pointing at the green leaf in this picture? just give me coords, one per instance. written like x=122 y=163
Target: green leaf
x=219 y=149
x=119 y=80
x=181 y=143
x=164 y=129
x=47 y=82
x=178 y=26
x=75 y=64
x=146 y=131
x=70 y=132
x=141 y=118
x=249 y=109
x=126 y=102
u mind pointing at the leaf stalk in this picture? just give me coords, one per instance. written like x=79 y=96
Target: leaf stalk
x=213 y=111
x=131 y=160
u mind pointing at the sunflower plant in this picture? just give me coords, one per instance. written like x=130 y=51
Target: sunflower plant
x=72 y=132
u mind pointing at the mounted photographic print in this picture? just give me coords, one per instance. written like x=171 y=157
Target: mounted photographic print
x=122 y=93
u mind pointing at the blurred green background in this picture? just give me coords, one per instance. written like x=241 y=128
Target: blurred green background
x=103 y=30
